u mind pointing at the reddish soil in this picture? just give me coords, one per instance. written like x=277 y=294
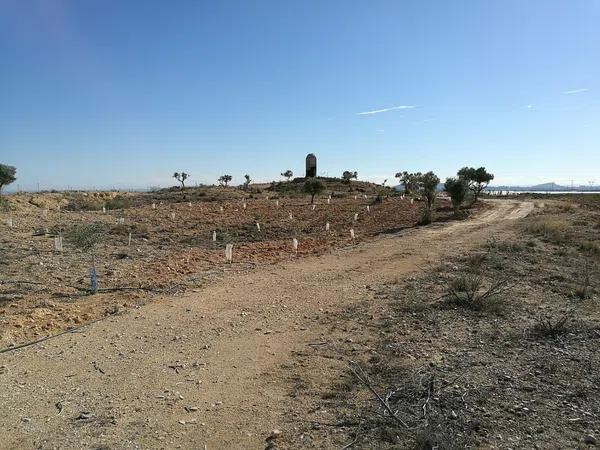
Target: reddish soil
x=42 y=291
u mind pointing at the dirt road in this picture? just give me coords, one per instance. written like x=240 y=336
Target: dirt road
x=207 y=370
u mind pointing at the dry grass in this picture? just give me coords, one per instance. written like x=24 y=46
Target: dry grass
x=546 y=225
x=590 y=246
x=548 y=327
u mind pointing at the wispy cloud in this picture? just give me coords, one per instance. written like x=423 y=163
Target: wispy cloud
x=576 y=91
x=377 y=111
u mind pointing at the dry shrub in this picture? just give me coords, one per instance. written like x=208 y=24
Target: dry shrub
x=474 y=291
x=592 y=247
x=80 y=202
x=4 y=204
x=565 y=207
x=118 y=202
x=546 y=225
x=547 y=327
x=552 y=229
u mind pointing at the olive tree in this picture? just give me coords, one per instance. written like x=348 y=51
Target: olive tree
x=410 y=181
x=457 y=189
x=313 y=186
x=477 y=179
x=7 y=175
x=181 y=177
x=247 y=182
x=429 y=183
x=347 y=176
x=224 y=180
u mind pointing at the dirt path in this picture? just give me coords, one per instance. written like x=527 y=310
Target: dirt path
x=207 y=369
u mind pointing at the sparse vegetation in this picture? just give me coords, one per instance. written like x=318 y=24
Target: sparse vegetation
x=118 y=202
x=474 y=291
x=552 y=327
x=454 y=375
x=86 y=238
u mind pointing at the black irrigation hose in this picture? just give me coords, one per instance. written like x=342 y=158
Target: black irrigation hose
x=70 y=330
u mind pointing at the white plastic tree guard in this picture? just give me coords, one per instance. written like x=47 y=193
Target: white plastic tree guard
x=58 y=243
x=229 y=253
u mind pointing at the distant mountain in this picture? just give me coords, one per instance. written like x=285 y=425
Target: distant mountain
x=545 y=187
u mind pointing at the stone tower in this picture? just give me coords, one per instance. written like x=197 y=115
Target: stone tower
x=311 y=165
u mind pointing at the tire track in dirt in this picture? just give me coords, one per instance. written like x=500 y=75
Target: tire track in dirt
x=209 y=368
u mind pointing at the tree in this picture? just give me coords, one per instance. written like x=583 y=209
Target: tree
x=457 y=189
x=181 y=177
x=224 y=180
x=7 y=175
x=86 y=237
x=477 y=179
x=410 y=181
x=429 y=183
x=347 y=176
x=313 y=186
x=247 y=182
x=288 y=174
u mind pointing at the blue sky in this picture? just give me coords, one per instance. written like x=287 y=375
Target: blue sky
x=102 y=93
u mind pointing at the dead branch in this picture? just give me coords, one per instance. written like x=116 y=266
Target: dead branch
x=363 y=379
x=350 y=444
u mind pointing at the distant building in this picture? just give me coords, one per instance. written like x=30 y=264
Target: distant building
x=311 y=165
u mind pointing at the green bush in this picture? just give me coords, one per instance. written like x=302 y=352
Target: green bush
x=426 y=218
x=118 y=202
x=84 y=203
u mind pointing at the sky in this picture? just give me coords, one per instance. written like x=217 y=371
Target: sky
x=111 y=93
